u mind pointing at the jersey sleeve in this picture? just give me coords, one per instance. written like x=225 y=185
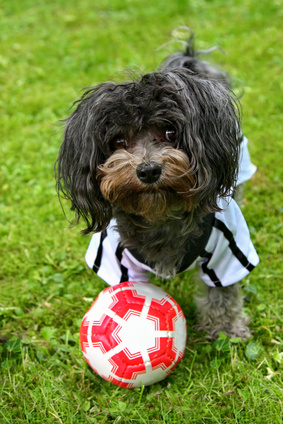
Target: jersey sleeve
x=246 y=167
x=229 y=255
x=111 y=262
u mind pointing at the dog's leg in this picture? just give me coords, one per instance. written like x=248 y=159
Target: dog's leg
x=238 y=194
x=220 y=309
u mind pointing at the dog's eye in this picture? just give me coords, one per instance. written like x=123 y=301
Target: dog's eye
x=171 y=135
x=118 y=142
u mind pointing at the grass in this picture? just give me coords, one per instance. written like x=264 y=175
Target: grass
x=49 y=52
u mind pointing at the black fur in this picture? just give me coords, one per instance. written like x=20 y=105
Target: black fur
x=205 y=114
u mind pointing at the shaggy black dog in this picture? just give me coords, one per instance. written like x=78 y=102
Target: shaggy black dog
x=151 y=166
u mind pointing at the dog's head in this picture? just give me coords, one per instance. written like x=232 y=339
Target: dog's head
x=166 y=143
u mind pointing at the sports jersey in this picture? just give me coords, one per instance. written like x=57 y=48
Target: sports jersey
x=224 y=254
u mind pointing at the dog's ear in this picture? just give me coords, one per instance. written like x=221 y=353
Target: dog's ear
x=211 y=137
x=80 y=154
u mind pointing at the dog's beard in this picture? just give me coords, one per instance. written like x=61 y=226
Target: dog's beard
x=171 y=193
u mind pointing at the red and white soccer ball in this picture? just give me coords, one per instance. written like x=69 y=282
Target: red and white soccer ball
x=133 y=334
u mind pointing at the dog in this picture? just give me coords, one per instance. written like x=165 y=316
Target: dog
x=151 y=165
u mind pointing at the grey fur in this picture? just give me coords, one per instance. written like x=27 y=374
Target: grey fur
x=157 y=243
x=220 y=309
x=189 y=59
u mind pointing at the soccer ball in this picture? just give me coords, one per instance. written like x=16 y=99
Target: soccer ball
x=134 y=334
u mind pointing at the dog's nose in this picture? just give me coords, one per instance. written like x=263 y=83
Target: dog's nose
x=149 y=173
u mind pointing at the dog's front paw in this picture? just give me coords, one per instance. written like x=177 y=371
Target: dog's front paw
x=219 y=309
x=237 y=328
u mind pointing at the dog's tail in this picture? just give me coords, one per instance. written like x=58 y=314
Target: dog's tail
x=189 y=59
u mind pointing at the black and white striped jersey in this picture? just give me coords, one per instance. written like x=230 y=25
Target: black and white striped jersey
x=227 y=256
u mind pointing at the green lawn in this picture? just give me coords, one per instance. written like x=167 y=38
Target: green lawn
x=49 y=51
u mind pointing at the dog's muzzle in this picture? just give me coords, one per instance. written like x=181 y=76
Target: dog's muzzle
x=149 y=173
